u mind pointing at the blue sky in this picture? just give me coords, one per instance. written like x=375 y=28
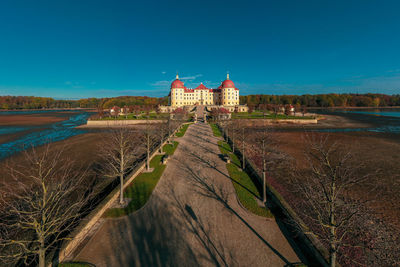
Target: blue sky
x=80 y=48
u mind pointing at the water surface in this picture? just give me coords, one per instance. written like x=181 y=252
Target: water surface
x=42 y=134
x=378 y=120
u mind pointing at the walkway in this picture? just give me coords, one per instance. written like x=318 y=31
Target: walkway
x=193 y=218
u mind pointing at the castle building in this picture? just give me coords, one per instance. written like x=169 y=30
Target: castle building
x=225 y=95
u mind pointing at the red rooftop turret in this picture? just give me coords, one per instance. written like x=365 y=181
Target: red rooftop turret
x=177 y=83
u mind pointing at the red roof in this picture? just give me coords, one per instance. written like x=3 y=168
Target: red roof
x=201 y=87
x=225 y=84
x=177 y=84
x=228 y=84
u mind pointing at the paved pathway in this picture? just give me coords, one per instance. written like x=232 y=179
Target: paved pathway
x=193 y=218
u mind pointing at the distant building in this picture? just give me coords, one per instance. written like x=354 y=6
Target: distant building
x=114 y=111
x=225 y=95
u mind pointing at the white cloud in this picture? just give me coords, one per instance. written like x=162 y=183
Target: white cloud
x=162 y=83
x=189 y=78
x=163 y=72
x=166 y=83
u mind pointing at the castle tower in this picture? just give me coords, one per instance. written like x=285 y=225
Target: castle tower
x=177 y=92
x=229 y=95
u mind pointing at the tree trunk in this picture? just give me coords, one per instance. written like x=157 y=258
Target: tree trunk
x=333 y=258
x=332 y=222
x=148 y=153
x=121 y=195
x=233 y=142
x=243 y=157
x=148 y=160
x=264 y=187
x=42 y=253
x=264 y=174
x=121 y=177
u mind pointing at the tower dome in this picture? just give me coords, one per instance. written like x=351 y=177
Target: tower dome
x=228 y=83
x=177 y=83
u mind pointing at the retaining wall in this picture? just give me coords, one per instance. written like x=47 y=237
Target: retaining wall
x=111 y=123
x=311 y=248
x=84 y=228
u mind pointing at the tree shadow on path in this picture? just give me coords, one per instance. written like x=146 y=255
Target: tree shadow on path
x=213 y=165
x=150 y=237
x=204 y=187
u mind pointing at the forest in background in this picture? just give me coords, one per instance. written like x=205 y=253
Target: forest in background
x=324 y=100
x=320 y=100
x=33 y=102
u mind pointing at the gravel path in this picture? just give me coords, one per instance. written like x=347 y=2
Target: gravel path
x=193 y=218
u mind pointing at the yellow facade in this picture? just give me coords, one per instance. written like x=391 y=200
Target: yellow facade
x=224 y=95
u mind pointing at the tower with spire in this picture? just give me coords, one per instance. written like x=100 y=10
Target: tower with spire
x=225 y=95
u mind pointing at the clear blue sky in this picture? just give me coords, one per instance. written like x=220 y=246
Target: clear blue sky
x=79 y=48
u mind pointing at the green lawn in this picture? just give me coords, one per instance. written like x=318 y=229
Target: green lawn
x=245 y=189
x=224 y=147
x=182 y=131
x=142 y=186
x=215 y=130
x=170 y=148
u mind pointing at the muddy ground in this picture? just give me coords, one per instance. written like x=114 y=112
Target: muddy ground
x=33 y=119
x=377 y=152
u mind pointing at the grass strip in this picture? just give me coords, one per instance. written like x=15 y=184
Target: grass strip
x=245 y=188
x=215 y=130
x=182 y=131
x=139 y=191
x=169 y=149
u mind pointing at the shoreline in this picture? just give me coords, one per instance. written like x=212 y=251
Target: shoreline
x=43 y=109
x=346 y=107
x=336 y=107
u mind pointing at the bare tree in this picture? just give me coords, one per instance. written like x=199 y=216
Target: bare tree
x=233 y=134
x=148 y=141
x=297 y=108
x=100 y=111
x=162 y=132
x=263 y=142
x=118 y=152
x=171 y=126
x=327 y=188
x=42 y=200
x=304 y=110
x=242 y=137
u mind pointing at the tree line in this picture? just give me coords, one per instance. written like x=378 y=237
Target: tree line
x=320 y=100
x=34 y=102
x=324 y=100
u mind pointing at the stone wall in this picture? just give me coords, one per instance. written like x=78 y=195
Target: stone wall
x=311 y=248
x=84 y=228
x=114 y=123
